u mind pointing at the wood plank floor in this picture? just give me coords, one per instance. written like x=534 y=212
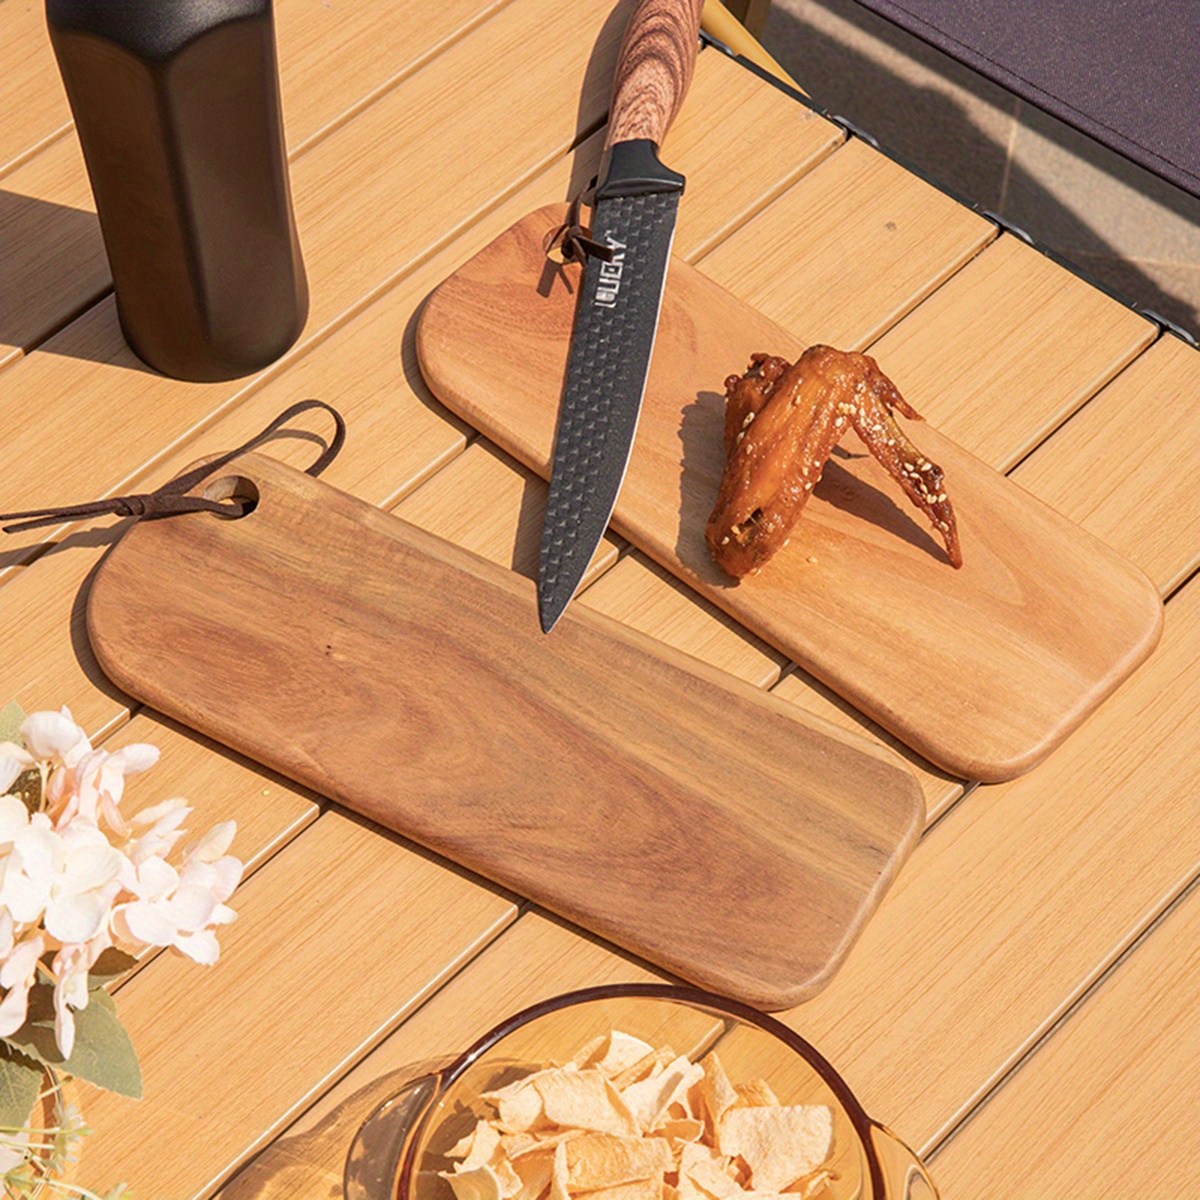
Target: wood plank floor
x=1031 y=979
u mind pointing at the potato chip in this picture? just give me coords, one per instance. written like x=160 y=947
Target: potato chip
x=477 y=1147
x=584 y=1100
x=716 y=1094
x=637 y=1189
x=810 y=1186
x=755 y=1094
x=519 y=1104
x=681 y=1129
x=534 y=1171
x=558 y=1174
x=517 y=1145
x=644 y=1067
x=649 y=1099
x=689 y=1191
x=601 y=1160
x=707 y=1171
x=779 y=1144
x=613 y=1053
x=481 y=1183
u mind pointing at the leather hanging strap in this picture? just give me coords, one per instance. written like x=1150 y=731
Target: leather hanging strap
x=172 y=497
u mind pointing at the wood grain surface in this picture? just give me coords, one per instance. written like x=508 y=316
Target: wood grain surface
x=1110 y=1094
x=983 y=671
x=610 y=778
x=654 y=69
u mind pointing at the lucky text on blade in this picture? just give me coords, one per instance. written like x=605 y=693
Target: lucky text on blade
x=616 y=319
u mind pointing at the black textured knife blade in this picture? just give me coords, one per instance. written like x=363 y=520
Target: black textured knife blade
x=611 y=346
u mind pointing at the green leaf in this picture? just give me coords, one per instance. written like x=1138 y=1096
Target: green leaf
x=111 y=965
x=20 y=1086
x=102 y=1054
x=11 y=717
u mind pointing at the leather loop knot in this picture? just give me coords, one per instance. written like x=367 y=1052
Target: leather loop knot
x=135 y=506
x=575 y=239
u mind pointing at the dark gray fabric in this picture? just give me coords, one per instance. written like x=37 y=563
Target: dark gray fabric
x=1126 y=72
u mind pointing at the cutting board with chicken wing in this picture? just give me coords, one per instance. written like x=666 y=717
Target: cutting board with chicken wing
x=982 y=669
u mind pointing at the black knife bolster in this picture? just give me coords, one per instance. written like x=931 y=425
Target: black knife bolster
x=633 y=169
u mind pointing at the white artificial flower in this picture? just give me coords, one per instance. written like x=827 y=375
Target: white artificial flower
x=67 y=890
x=179 y=908
x=54 y=735
x=68 y=880
x=17 y=975
x=95 y=783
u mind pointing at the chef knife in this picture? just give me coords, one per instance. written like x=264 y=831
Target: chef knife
x=633 y=224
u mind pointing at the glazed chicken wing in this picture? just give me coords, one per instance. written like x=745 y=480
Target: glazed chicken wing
x=782 y=422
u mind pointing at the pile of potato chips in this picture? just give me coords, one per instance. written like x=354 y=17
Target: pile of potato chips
x=623 y=1121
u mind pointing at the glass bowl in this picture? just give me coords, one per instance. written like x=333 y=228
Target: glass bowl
x=402 y=1147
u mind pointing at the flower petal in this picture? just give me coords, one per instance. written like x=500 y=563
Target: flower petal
x=228 y=873
x=10 y=768
x=78 y=917
x=38 y=850
x=156 y=812
x=139 y=756
x=24 y=897
x=200 y=947
x=13 y=1008
x=51 y=734
x=20 y=967
x=191 y=908
x=64 y=1023
x=92 y=866
x=213 y=844
x=14 y=818
x=148 y=923
x=156 y=877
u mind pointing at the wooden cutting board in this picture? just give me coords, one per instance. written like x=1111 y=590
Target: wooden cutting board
x=663 y=804
x=982 y=670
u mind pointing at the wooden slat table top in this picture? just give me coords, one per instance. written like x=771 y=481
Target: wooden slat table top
x=990 y=1003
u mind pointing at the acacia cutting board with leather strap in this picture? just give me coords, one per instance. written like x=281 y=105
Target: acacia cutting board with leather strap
x=982 y=670
x=663 y=804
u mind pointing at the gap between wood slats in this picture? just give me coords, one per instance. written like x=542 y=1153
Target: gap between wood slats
x=31 y=152
x=1062 y=424
x=1176 y=901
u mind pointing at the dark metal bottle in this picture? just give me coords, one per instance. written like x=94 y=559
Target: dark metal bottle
x=177 y=107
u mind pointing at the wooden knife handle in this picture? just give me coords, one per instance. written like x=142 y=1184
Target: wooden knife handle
x=654 y=68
